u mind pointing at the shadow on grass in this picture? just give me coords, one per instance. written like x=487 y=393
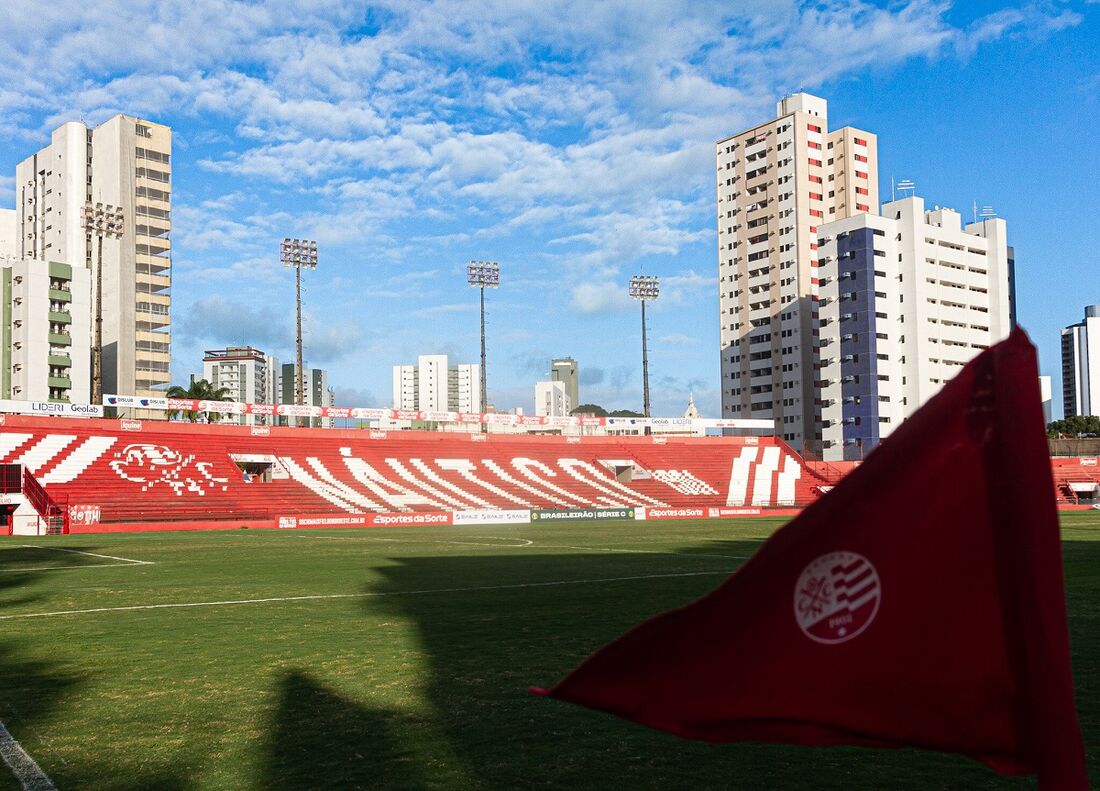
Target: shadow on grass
x=33 y=689
x=322 y=740
x=522 y=619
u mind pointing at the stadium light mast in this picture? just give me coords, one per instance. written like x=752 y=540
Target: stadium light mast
x=300 y=254
x=483 y=275
x=644 y=288
x=102 y=221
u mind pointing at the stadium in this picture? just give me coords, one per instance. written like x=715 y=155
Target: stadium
x=840 y=529
x=395 y=592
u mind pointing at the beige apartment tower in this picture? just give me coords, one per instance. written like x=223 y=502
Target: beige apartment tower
x=776 y=183
x=124 y=162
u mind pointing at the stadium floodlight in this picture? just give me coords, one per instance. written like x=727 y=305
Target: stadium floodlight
x=102 y=221
x=644 y=288
x=483 y=275
x=300 y=254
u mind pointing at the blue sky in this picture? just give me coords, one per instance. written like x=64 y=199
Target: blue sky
x=570 y=141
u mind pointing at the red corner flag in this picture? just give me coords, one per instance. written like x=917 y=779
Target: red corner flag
x=919 y=603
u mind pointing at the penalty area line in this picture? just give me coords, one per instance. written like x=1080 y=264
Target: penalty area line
x=67 y=568
x=26 y=770
x=324 y=596
x=129 y=561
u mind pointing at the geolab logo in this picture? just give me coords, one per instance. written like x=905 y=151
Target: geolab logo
x=836 y=597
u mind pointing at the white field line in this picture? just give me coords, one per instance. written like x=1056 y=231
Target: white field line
x=66 y=568
x=324 y=596
x=131 y=561
x=528 y=543
x=26 y=771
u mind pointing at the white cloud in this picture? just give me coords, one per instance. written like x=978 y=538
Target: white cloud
x=600 y=298
x=437 y=310
x=678 y=339
x=577 y=136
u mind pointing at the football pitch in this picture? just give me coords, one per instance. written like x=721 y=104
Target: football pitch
x=400 y=658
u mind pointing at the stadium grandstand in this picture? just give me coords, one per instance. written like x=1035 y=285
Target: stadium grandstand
x=62 y=475
x=77 y=474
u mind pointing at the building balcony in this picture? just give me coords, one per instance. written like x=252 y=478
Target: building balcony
x=162 y=300
x=60 y=382
x=60 y=360
x=60 y=317
x=152 y=264
x=152 y=356
x=151 y=319
x=60 y=339
x=58 y=295
x=153 y=282
x=157 y=247
x=146 y=336
x=148 y=379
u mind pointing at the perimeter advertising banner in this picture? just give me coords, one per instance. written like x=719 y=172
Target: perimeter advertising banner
x=671 y=513
x=365 y=520
x=582 y=513
x=492 y=517
x=135 y=402
x=42 y=408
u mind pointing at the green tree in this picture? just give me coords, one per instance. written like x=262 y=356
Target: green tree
x=199 y=390
x=1075 y=426
x=625 y=413
x=590 y=409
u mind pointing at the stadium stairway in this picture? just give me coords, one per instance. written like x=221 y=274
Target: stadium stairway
x=1076 y=479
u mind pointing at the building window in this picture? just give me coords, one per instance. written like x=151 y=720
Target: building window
x=815 y=162
x=813 y=128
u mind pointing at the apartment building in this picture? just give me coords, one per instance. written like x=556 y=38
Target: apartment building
x=776 y=184
x=315 y=390
x=552 y=399
x=248 y=374
x=907 y=299
x=45 y=345
x=566 y=371
x=434 y=385
x=124 y=162
x=1081 y=365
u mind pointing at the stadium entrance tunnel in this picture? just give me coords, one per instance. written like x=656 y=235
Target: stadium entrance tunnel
x=259 y=467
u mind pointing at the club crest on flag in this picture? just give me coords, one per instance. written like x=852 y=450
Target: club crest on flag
x=836 y=597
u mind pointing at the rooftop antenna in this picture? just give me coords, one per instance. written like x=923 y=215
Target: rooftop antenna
x=987 y=213
x=904 y=185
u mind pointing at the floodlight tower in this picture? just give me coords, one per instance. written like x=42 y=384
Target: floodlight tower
x=300 y=254
x=101 y=221
x=644 y=288
x=483 y=275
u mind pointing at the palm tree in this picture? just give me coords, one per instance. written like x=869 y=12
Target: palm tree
x=200 y=390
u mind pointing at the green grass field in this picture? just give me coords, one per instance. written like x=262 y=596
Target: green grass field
x=405 y=662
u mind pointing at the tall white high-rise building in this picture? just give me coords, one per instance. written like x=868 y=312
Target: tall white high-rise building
x=1081 y=365
x=123 y=162
x=433 y=385
x=777 y=183
x=907 y=299
x=248 y=374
